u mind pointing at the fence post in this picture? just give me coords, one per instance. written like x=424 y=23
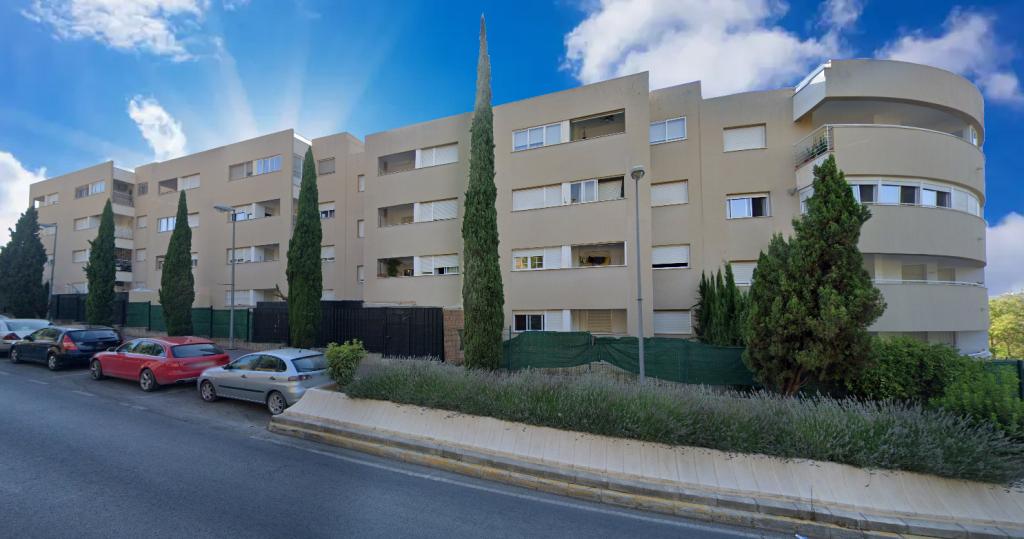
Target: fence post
x=1020 y=376
x=149 y=316
x=211 y=321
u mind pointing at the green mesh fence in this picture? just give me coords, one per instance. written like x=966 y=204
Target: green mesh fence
x=676 y=360
x=221 y=324
x=156 y=318
x=202 y=322
x=137 y=315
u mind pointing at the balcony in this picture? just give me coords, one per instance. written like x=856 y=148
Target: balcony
x=932 y=306
x=124 y=233
x=600 y=287
x=122 y=198
x=915 y=230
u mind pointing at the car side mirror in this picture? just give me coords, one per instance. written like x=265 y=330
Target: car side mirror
x=111 y=349
x=29 y=338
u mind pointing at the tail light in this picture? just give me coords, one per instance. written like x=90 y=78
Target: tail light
x=68 y=344
x=11 y=337
x=299 y=378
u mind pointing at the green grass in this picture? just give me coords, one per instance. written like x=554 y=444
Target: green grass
x=877 y=435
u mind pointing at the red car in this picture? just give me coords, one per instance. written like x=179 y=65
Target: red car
x=159 y=361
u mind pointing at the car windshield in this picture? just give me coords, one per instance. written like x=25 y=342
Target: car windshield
x=310 y=363
x=94 y=335
x=26 y=325
x=197 y=350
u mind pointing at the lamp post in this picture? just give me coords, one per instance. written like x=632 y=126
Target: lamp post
x=231 y=308
x=637 y=174
x=53 y=265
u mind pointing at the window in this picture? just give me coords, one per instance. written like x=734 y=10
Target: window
x=327 y=253
x=540 y=258
x=436 y=264
x=673 y=322
x=535 y=137
x=537 y=197
x=934 y=197
x=908 y=194
x=610 y=189
x=327 y=210
x=582 y=192
x=239 y=171
x=668 y=130
x=140 y=255
x=193 y=220
x=528 y=322
x=48 y=231
x=805 y=194
x=947 y=275
x=360 y=274
x=743 y=138
x=744 y=206
x=360 y=228
x=438 y=210
x=268 y=164
x=914 y=272
x=188 y=182
x=864 y=193
x=743 y=272
x=160 y=262
x=80 y=256
x=142 y=188
x=141 y=221
x=666 y=194
x=86 y=223
x=325 y=166
x=397 y=162
x=437 y=155
x=598 y=125
x=972 y=135
x=361 y=183
x=889 y=194
x=670 y=256
x=165 y=224
x=93 y=188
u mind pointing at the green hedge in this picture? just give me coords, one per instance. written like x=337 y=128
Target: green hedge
x=884 y=435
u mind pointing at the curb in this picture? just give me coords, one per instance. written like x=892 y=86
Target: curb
x=672 y=499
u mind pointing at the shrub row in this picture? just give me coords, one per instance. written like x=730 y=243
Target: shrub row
x=880 y=435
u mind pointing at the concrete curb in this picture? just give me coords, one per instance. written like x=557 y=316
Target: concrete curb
x=810 y=520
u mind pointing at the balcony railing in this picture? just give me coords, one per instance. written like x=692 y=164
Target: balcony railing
x=124 y=233
x=124 y=199
x=816 y=143
x=123 y=266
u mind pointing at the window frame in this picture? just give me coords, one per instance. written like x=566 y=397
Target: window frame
x=750 y=206
x=664 y=125
x=527 y=318
x=764 y=128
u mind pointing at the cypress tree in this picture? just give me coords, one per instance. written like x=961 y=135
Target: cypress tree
x=305 y=274
x=702 y=309
x=813 y=302
x=177 y=284
x=483 y=298
x=21 y=269
x=100 y=272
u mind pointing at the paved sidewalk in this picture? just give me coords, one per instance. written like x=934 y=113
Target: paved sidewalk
x=796 y=496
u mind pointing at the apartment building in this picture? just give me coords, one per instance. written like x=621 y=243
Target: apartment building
x=721 y=176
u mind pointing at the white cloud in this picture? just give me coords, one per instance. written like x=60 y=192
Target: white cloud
x=841 y=14
x=160 y=129
x=14 y=182
x=730 y=45
x=968 y=45
x=1005 y=246
x=232 y=5
x=149 y=25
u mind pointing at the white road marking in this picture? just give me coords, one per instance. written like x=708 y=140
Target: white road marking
x=5 y=373
x=539 y=499
x=85 y=393
x=40 y=382
x=71 y=374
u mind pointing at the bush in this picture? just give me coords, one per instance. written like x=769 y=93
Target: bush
x=987 y=393
x=902 y=368
x=343 y=360
x=886 y=434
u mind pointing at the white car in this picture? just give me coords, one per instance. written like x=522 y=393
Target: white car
x=275 y=378
x=14 y=329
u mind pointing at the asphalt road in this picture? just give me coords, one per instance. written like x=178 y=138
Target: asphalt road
x=81 y=458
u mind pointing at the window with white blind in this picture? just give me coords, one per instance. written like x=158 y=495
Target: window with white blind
x=673 y=322
x=669 y=193
x=165 y=224
x=437 y=210
x=360 y=274
x=93 y=188
x=539 y=258
x=327 y=253
x=188 y=182
x=327 y=295
x=668 y=130
x=537 y=197
x=86 y=223
x=327 y=210
x=743 y=138
x=80 y=256
x=141 y=221
x=437 y=155
x=744 y=206
x=140 y=255
x=325 y=166
x=193 y=220
x=743 y=272
x=361 y=183
x=360 y=228
x=436 y=264
x=542 y=135
x=670 y=256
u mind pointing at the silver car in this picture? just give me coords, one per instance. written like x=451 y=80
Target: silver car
x=13 y=330
x=277 y=378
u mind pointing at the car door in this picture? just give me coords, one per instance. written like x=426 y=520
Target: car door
x=266 y=372
x=41 y=342
x=231 y=381
x=113 y=362
x=143 y=354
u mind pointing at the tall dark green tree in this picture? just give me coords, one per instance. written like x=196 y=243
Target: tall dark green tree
x=813 y=301
x=100 y=272
x=22 y=262
x=483 y=298
x=305 y=274
x=177 y=284
x=720 y=310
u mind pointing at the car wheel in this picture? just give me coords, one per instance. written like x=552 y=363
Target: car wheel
x=96 y=370
x=14 y=356
x=51 y=362
x=207 y=391
x=147 y=381
x=276 y=403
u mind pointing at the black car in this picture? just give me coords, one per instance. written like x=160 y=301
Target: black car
x=64 y=346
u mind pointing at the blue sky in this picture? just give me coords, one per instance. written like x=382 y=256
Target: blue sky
x=91 y=80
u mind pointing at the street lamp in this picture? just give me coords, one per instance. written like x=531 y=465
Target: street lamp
x=637 y=174
x=53 y=264
x=231 y=308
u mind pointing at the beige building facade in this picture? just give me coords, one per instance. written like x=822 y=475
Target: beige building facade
x=721 y=175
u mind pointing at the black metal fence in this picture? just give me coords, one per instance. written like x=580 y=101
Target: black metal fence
x=72 y=307
x=391 y=331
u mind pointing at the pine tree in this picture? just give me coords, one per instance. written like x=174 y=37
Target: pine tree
x=305 y=274
x=483 y=298
x=100 y=272
x=21 y=269
x=811 y=317
x=177 y=284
